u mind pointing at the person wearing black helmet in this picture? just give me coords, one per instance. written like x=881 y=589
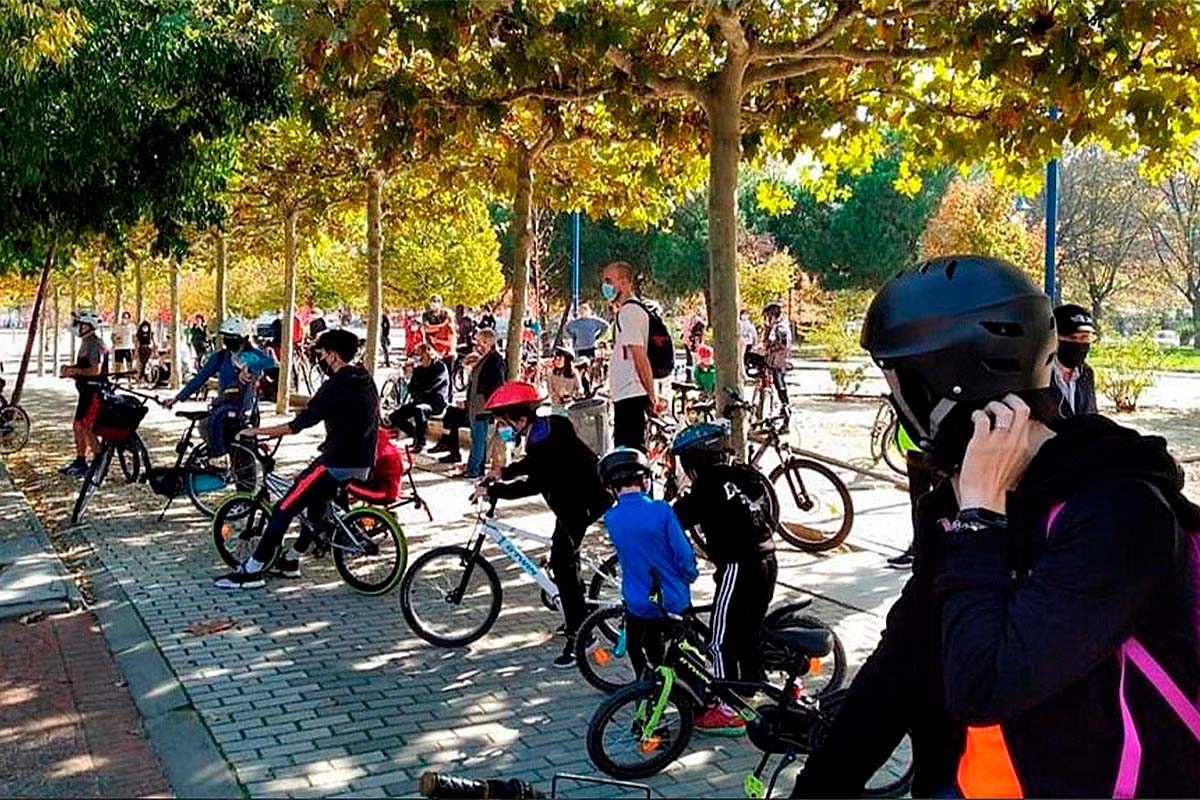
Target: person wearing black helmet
x=657 y=562
x=735 y=509
x=1074 y=383
x=777 y=340
x=1049 y=617
x=559 y=466
x=348 y=405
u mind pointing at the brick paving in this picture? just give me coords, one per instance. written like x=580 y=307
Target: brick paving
x=317 y=691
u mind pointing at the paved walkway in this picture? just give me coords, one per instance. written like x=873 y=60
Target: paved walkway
x=312 y=690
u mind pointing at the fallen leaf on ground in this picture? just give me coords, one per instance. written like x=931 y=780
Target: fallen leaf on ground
x=212 y=626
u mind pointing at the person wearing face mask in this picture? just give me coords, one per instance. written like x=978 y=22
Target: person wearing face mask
x=237 y=367
x=347 y=403
x=631 y=378
x=90 y=362
x=1074 y=384
x=1045 y=645
x=563 y=469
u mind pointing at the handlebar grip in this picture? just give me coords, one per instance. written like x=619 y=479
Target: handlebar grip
x=445 y=787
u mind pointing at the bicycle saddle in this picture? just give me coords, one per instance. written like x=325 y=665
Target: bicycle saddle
x=194 y=416
x=812 y=642
x=684 y=387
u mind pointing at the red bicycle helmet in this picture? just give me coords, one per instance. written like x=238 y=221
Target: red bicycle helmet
x=515 y=394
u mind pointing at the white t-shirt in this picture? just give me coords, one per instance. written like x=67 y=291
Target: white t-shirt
x=122 y=336
x=746 y=331
x=633 y=327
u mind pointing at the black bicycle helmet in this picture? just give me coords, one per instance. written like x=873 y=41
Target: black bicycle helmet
x=773 y=307
x=953 y=334
x=623 y=463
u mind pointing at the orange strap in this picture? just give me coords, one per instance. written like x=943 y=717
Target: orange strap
x=986 y=768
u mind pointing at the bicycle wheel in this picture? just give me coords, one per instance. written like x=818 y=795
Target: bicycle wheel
x=618 y=741
x=815 y=508
x=389 y=397
x=371 y=560
x=92 y=480
x=605 y=586
x=894 y=778
x=14 y=429
x=132 y=456
x=884 y=418
x=238 y=525
x=208 y=485
x=450 y=596
x=460 y=376
x=600 y=650
x=892 y=454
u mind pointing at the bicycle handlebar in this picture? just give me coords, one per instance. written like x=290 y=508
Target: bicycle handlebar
x=444 y=787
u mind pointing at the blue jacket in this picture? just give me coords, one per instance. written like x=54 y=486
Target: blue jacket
x=221 y=364
x=650 y=543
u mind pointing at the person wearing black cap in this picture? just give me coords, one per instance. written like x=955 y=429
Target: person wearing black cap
x=1074 y=384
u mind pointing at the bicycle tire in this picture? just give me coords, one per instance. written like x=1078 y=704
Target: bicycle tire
x=132 y=456
x=229 y=523
x=197 y=475
x=389 y=527
x=416 y=573
x=892 y=454
x=92 y=479
x=598 y=644
x=884 y=417
x=801 y=536
x=894 y=787
x=642 y=691
x=14 y=429
x=460 y=377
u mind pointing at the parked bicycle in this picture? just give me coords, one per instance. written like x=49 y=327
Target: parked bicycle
x=369 y=549
x=121 y=412
x=14 y=424
x=393 y=394
x=885 y=438
x=451 y=596
x=642 y=728
x=602 y=655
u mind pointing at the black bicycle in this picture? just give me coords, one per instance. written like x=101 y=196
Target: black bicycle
x=642 y=728
x=115 y=426
x=14 y=425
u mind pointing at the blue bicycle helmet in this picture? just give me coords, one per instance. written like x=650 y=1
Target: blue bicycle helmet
x=701 y=437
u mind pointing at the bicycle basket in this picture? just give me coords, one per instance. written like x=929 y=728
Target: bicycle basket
x=755 y=363
x=118 y=417
x=165 y=481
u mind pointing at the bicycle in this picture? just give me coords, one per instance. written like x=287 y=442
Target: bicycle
x=439 y=590
x=764 y=398
x=885 y=433
x=816 y=511
x=14 y=424
x=642 y=728
x=601 y=651
x=701 y=409
x=115 y=427
x=393 y=394
x=364 y=539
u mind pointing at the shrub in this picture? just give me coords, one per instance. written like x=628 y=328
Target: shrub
x=1125 y=368
x=847 y=381
x=837 y=335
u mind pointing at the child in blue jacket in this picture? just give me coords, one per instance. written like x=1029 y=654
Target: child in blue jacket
x=658 y=564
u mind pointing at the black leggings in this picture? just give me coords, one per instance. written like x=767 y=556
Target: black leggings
x=564 y=561
x=779 y=378
x=645 y=640
x=629 y=422
x=744 y=591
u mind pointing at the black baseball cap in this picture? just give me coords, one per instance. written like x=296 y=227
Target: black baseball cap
x=1070 y=319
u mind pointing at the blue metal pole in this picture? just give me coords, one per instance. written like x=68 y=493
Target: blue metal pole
x=1051 y=228
x=575 y=265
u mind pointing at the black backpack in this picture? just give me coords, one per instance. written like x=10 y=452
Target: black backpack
x=660 y=350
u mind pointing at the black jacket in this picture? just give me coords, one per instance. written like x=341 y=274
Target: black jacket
x=1025 y=631
x=486 y=378
x=562 y=468
x=735 y=508
x=1085 y=394
x=348 y=404
x=430 y=385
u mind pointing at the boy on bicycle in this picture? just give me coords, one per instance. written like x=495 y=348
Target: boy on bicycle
x=348 y=404
x=238 y=366
x=735 y=508
x=562 y=468
x=658 y=564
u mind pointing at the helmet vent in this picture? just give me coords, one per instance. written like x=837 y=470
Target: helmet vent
x=925 y=268
x=1001 y=365
x=1012 y=329
x=953 y=265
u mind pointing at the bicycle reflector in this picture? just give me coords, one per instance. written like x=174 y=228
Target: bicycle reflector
x=650 y=745
x=602 y=656
x=814 y=666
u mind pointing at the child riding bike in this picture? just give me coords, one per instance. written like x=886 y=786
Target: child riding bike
x=658 y=564
x=559 y=466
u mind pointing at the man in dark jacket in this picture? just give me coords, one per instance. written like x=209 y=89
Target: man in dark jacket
x=1056 y=545
x=428 y=394
x=1074 y=383
x=348 y=405
x=563 y=469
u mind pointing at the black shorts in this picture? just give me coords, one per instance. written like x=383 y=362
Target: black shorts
x=88 y=405
x=123 y=356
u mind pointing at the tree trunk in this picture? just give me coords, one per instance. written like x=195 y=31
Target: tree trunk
x=47 y=265
x=725 y=152
x=222 y=269
x=139 y=294
x=178 y=347
x=1196 y=323
x=286 y=345
x=374 y=265
x=118 y=295
x=57 y=326
x=523 y=238
x=95 y=279
x=41 y=345
x=74 y=306
x=1097 y=308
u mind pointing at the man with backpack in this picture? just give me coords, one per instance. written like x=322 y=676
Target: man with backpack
x=642 y=351
x=1046 y=644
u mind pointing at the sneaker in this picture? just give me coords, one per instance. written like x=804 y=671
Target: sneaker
x=442 y=446
x=240 y=579
x=902 y=561
x=418 y=446
x=287 y=567
x=719 y=722
x=567 y=659
x=452 y=457
x=75 y=469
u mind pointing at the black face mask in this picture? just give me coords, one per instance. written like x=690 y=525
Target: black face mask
x=323 y=365
x=232 y=342
x=1072 y=354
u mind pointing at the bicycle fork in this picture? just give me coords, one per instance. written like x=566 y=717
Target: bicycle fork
x=650 y=715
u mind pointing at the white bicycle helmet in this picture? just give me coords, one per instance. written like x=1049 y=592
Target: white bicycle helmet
x=235 y=326
x=85 y=316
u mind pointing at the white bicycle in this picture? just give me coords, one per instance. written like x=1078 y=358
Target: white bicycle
x=451 y=596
